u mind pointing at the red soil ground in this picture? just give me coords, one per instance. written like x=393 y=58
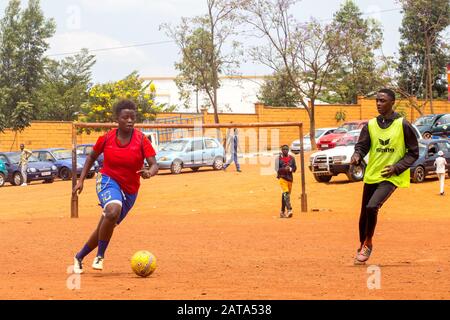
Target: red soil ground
x=217 y=235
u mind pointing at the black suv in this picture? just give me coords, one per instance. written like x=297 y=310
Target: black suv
x=434 y=125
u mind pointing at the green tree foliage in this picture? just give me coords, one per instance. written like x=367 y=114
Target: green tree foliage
x=423 y=51
x=355 y=71
x=195 y=69
x=202 y=41
x=65 y=87
x=23 y=42
x=102 y=97
x=278 y=91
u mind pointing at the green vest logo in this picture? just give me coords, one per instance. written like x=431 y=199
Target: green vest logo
x=386 y=149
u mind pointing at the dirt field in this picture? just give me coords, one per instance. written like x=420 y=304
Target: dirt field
x=217 y=235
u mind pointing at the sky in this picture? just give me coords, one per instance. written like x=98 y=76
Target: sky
x=102 y=24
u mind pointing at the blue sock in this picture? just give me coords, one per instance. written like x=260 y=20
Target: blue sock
x=84 y=252
x=102 y=245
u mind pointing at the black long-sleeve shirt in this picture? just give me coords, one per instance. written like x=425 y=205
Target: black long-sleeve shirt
x=411 y=143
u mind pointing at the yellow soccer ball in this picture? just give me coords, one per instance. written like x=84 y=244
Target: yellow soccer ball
x=143 y=263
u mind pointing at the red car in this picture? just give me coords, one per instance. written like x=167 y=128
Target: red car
x=329 y=141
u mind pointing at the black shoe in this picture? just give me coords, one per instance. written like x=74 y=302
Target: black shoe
x=239 y=170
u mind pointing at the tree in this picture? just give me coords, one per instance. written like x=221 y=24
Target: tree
x=20 y=118
x=65 y=87
x=355 y=71
x=306 y=52
x=23 y=35
x=103 y=96
x=201 y=41
x=278 y=91
x=422 y=49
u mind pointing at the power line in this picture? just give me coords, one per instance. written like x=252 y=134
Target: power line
x=171 y=41
x=114 y=48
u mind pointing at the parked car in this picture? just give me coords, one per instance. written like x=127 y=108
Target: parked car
x=434 y=125
x=37 y=170
x=320 y=132
x=424 y=165
x=62 y=159
x=329 y=141
x=331 y=162
x=3 y=173
x=191 y=153
x=83 y=150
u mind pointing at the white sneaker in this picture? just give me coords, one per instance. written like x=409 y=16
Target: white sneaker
x=23 y=185
x=77 y=266
x=98 y=263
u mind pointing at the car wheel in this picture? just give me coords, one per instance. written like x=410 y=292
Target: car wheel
x=17 y=179
x=195 y=169
x=65 y=173
x=419 y=174
x=49 y=180
x=426 y=135
x=90 y=175
x=218 y=163
x=2 y=179
x=322 y=178
x=176 y=167
x=356 y=173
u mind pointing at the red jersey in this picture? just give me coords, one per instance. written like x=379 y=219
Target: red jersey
x=122 y=161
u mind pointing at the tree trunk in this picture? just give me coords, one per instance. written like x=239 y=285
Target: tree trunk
x=429 y=72
x=312 y=126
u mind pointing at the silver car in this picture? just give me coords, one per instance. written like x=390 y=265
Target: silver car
x=191 y=153
x=320 y=132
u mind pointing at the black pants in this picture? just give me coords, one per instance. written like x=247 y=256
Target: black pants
x=374 y=196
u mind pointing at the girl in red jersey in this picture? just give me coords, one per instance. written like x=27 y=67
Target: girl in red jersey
x=118 y=182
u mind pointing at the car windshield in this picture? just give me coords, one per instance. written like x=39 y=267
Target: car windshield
x=347 y=127
x=177 y=145
x=14 y=158
x=318 y=133
x=424 y=121
x=62 y=154
x=341 y=130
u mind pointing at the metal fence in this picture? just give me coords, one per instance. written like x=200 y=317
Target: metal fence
x=167 y=134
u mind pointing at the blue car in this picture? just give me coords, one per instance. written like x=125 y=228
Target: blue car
x=428 y=150
x=62 y=159
x=191 y=153
x=83 y=150
x=3 y=173
x=37 y=170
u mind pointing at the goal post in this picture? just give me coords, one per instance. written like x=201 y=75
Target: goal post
x=198 y=126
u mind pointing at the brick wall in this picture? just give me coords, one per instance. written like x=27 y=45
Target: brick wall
x=58 y=134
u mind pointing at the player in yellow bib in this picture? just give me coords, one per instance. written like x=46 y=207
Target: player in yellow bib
x=392 y=146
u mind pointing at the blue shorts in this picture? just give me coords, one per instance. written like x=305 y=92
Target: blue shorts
x=108 y=191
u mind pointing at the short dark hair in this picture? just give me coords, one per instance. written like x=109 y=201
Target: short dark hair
x=389 y=92
x=284 y=146
x=122 y=105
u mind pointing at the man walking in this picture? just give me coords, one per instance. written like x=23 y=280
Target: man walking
x=232 y=146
